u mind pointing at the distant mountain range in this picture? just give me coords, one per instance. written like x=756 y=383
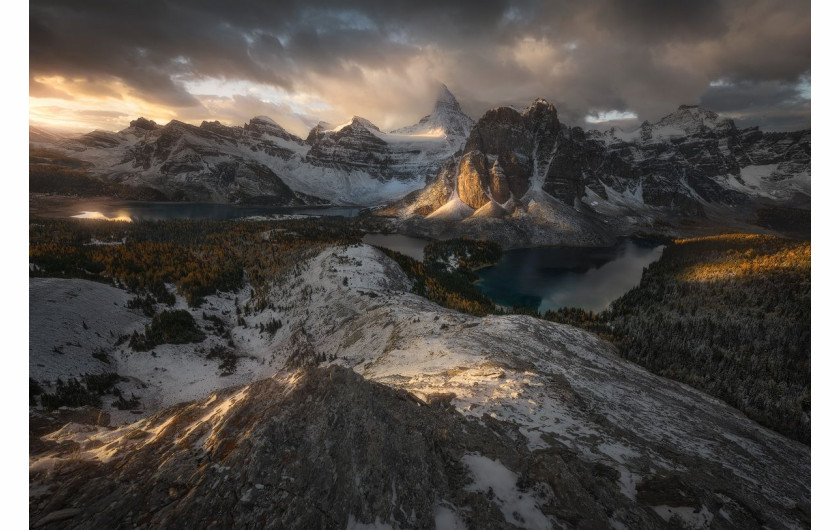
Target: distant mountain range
x=353 y=163
x=522 y=166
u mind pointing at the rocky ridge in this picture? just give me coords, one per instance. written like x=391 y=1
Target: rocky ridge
x=452 y=420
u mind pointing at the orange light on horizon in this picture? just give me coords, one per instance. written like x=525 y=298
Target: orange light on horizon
x=120 y=217
x=79 y=105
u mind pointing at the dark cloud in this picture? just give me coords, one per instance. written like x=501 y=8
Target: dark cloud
x=384 y=58
x=750 y=103
x=655 y=21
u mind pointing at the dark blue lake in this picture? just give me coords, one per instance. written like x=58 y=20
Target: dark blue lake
x=553 y=277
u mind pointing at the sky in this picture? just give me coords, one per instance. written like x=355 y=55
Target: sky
x=101 y=63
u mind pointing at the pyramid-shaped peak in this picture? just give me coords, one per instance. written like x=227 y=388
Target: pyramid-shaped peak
x=446 y=118
x=446 y=100
x=445 y=95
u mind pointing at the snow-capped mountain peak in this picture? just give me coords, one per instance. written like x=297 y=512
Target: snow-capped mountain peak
x=446 y=101
x=446 y=119
x=263 y=126
x=358 y=121
x=688 y=120
x=264 y=119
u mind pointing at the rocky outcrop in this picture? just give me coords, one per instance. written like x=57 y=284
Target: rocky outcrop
x=257 y=457
x=356 y=146
x=143 y=123
x=501 y=152
x=473 y=178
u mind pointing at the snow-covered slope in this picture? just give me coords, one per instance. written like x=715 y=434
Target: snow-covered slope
x=561 y=428
x=79 y=327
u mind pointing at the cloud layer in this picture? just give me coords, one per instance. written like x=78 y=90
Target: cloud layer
x=212 y=59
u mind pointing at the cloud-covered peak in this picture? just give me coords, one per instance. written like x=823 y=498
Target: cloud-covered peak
x=446 y=100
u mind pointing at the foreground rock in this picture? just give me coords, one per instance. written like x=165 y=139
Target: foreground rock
x=319 y=448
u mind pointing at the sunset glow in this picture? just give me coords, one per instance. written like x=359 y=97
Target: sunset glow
x=120 y=217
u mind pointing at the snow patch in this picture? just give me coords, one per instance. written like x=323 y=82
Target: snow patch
x=448 y=519
x=454 y=210
x=353 y=524
x=519 y=508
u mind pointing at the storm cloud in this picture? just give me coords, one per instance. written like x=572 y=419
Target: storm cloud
x=384 y=59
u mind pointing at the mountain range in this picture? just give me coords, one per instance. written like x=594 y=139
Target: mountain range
x=549 y=183
x=686 y=160
x=449 y=174
x=352 y=163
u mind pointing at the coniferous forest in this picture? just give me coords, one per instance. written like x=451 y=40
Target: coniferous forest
x=729 y=315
